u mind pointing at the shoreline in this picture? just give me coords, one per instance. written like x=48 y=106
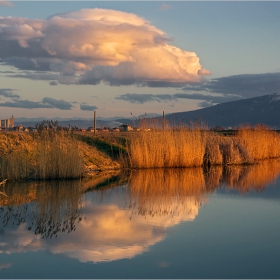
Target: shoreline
x=54 y=155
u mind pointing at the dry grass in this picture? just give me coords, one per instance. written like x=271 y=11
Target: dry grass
x=48 y=155
x=260 y=142
x=58 y=157
x=194 y=147
x=167 y=148
x=226 y=151
x=61 y=155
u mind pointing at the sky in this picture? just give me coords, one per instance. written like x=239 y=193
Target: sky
x=129 y=58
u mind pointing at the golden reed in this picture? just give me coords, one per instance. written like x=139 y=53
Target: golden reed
x=168 y=148
x=194 y=147
x=48 y=155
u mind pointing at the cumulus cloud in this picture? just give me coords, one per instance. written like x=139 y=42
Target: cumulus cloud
x=97 y=45
x=47 y=102
x=21 y=32
x=8 y=93
x=143 y=98
x=85 y=107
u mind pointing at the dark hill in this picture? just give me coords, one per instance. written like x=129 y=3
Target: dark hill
x=258 y=110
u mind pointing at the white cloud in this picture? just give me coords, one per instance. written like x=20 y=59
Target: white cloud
x=94 y=45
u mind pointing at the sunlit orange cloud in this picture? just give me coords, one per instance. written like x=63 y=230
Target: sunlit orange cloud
x=104 y=45
x=108 y=233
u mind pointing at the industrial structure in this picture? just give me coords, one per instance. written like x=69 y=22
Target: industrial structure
x=6 y=123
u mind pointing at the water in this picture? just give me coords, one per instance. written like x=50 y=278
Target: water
x=183 y=223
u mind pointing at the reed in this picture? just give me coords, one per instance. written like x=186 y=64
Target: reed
x=167 y=148
x=226 y=151
x=57 y=154
x=194 y=147
x=15 y=166
x=58 y=157
x=48 y=155
x=260 y=142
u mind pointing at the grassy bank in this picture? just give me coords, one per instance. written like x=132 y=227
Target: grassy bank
x=57 y=154
x=50 y=155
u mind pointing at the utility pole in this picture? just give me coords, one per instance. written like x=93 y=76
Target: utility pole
x=94 y=123
x=163 y=120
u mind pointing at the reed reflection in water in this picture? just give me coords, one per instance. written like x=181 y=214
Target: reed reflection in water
x=172 y=191
x=177 y=193
x=95 y=222
x=47 y=207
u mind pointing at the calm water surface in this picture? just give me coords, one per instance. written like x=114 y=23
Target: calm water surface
x=183 y=223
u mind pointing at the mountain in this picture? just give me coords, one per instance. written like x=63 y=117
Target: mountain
x=258 y=110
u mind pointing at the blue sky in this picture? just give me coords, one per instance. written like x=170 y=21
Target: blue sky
x=158 y=56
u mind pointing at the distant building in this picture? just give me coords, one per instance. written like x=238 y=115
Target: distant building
x=125 y=127
x=115 y=129
x=19 y=128
x=7 y=123
x=104 y=129
x=91 y=129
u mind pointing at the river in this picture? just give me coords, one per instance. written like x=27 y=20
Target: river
x=165 y=223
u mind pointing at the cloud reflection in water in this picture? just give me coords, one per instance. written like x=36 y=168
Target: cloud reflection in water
x=109 y=223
